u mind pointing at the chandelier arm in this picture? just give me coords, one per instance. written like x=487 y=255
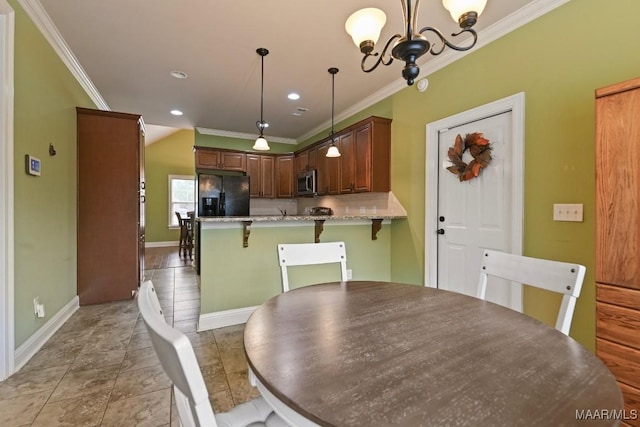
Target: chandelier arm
x=381 y=57
x=415 y=17
x=447 y=43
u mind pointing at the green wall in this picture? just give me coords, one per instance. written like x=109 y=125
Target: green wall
x=172 y=155
x=203 y=140
x=46 y=95
x=558 y=61
x=254 y=274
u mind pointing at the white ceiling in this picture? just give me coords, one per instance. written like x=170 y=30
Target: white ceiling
x=128 y=48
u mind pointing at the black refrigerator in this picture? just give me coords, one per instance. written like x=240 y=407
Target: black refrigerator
x=223 y=195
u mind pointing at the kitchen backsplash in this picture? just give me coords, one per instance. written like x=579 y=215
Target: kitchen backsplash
x=346 y=204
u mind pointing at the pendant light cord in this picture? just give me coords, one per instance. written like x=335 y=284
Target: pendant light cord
x=262 y=52
x=333 y=72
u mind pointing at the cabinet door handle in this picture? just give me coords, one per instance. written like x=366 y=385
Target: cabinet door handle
x=143 y=198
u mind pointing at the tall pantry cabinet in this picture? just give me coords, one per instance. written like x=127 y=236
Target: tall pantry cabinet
x=110 y=205
x=618 y=237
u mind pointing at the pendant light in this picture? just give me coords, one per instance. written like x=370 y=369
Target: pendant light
x=261 y=143
x=333 y=150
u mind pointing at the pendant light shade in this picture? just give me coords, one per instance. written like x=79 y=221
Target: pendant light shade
x=333 y=150
x=261 y=143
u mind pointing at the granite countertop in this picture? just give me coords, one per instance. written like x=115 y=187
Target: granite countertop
x=274 y=218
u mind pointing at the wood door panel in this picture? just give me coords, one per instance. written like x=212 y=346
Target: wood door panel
x=618 y=295
x=623 y=361
x=284 y=176
x=347 y=172
x=267 y=168
x=617 y=184
x=631 y=397
x=362 y=159
x=233 y=161
x=109 y=222
x=253 y=170
x=207 y=159
x=618 y=324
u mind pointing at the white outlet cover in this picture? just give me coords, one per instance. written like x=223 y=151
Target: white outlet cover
x=568 y=212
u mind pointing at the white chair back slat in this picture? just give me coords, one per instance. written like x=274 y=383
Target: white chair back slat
x=295 y=254
x=561 y=277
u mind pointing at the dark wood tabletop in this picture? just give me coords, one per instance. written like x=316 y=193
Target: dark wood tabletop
x=390 y=354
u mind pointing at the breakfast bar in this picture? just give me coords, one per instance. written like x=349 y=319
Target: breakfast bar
x=238 y=260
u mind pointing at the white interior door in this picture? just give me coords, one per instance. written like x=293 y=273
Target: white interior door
x=474 y=215
x=464 y=218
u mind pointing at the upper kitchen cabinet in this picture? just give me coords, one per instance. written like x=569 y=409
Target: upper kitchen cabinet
x=306 y=160
x=110 y=206
x=261 y=168
x=370 y=160
x=364 y=162
x=284 y=176
x=228 y=160
x=328 y=172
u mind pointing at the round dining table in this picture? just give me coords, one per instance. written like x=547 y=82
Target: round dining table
x=365 y=353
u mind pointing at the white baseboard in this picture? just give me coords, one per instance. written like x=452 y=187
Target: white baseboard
x=161 y=244
x=220 y=319
x=35 y=342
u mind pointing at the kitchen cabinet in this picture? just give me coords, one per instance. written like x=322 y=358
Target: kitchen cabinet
x=328 y=171
x=228 y=160
x=306 y=160
x=364 y=162
x=110 y=205
x=617 y=232
x=284 y=176
x=301 y=162
x=345 y=144
x=367 y=157
x=261 y=168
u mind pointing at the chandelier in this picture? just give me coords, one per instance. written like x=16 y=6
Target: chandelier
x=364 y=27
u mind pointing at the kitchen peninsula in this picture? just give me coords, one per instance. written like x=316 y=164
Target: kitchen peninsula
x=238 y=260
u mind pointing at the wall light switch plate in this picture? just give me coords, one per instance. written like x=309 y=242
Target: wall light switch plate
x=568 y=212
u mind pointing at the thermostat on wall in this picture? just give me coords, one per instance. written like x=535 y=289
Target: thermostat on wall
x=32 y=164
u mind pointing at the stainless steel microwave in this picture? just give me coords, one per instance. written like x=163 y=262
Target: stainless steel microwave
x=306 y=183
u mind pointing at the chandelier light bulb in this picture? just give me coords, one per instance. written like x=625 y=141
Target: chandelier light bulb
x=458 y=8
x=365 y=25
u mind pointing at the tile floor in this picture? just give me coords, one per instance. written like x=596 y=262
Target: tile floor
x=100 y=369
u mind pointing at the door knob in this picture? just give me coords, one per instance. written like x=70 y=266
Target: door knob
x=440 y=231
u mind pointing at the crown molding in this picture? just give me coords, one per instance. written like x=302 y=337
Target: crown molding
x=517 y=19
x=43 y=22
x=241 y=135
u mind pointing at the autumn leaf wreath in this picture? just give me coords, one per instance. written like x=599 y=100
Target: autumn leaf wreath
x=479 y=148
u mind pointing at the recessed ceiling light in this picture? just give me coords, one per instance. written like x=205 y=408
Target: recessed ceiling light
x=176 y=112
x=178 y=74
x=297 y=114
x=293 y=96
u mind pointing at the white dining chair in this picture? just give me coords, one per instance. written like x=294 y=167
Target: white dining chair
x=179 y=362
x=294 y=254
x=561 y=277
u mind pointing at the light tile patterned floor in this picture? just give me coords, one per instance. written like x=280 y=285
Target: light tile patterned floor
x=100 y=369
